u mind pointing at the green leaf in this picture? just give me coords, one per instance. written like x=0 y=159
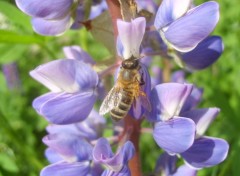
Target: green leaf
x=15 y=16
x=14 y=37
x=102 y=31
x=11 y=53
x=8 y=163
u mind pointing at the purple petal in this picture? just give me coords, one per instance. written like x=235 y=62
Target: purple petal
x=66 y=75
x=202 y=118
x=169 y=11
x=206 y=152
x=52 y=155
x=123 y=172
x=69 y=129
x=75 y=52
x=45 y=8
x=178 y=76
x=65 y=108
x=102 y=153
x=157 y=76
x=175 y=135
x=72 y=147
x=185 y=33
x=131 y=35
x=166 y=164
x=167 y=100
x=205 y=54
x=193 y=100
x=51 y=27
x=142 y=103
x=185 y=170
x=66 y=169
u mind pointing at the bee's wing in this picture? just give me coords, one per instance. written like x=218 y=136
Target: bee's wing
x=112 y=100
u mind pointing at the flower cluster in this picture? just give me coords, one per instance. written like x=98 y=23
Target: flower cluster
x=75 y=140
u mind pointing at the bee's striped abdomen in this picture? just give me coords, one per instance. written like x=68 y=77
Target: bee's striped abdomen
x=123 y=107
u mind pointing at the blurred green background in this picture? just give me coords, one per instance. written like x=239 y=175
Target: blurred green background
x=21 y=129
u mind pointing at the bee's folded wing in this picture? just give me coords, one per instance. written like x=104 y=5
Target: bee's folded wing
x=111 y=101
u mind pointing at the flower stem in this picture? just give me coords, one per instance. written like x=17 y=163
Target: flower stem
x=135 y=126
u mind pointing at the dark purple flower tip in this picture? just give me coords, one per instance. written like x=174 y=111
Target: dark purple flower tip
x=44 y=8
x=202 y=118
x=102 y=153
x=205 y=54
x=66 y=169
x=76 y=52
x=142 y=103
x=51 y=27
x=187 y=32
x=169 y=11
x=123 y=172
x=66 y=75
x=167 y=100
x=71 y=147
x=166 y=164
x=175 y=135
x=52 y=155
x=193 y=100
x=206 y=152
x=130 y=36
x=185 y=170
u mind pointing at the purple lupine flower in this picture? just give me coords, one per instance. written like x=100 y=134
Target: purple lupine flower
x=172 y=132
x=11 y=75
x=204 y=55
x=184 y=28
x=205 y=151
x=69 y=153
x=128 y=45
x=55 y=17
x=72 y=84
x=91 y=128
x=116 y=164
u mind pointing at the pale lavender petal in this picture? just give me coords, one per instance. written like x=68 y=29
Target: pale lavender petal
x=205 y=54
x=70 y=129
x=71 y=147
x=66 y=75
x=188 y=31
x=131 y=35
x=123 y=172
x=206 y=152
x=65 y=108
x=175 y=135
x=51 y=27
x=52 y=156
x=169 y=11
x=185 y=170
x=66 y=169
x=45 y=8
x=193 y=100
x=166 y=164
x=167 y=100
x=102 y=153
x=202 y=118
x=76 y=52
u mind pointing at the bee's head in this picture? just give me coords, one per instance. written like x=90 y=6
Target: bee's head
x=131 y=63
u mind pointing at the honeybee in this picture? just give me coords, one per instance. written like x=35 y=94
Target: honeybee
x=126 y=90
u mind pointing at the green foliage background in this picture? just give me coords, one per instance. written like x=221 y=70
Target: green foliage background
x=21 y=129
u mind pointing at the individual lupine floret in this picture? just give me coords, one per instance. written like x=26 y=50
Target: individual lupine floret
x=117 y=164
x=183 y=27
x=56 y=16
x=172 y=132
x=72 y=83
x=128 y=45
